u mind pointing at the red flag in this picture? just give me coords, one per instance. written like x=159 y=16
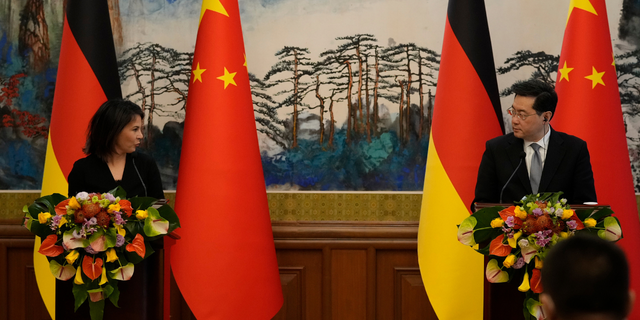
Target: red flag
x=466 y=96
x=87 y=77
x=225 y=262
x=589 y=107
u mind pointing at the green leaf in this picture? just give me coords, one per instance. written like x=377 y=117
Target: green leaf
x=601 y=212
x=118 y=192
x=584 y=213
x=141 y=203
x=483 y=230
x=115 y=295
x=40 y=230
x=108 y=290
x=111 y=237
x=96 y=310
x=80 y=294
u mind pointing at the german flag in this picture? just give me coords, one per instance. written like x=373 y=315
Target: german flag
x=466 y=114
x=589 y=107
x=225 y=262
x=87 y=77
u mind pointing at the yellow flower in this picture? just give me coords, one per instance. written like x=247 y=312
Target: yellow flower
x=566 y=214
x=103 y=279
x=590 y=223
x=142 y=214
x=113 y=208
x=78 y=278
x=63 y=220
x=509 y=260
x=513 y=241
x=538 y=263
x=120 y=230
x=497 y=223
x=43 y=217
x=73 y=203
x=111 y=255
x=520 y=213
x=524 y=287
x=72 y=256
x=564 y=235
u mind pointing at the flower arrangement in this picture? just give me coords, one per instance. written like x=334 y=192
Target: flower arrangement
x=97 y=239
x=519 y=237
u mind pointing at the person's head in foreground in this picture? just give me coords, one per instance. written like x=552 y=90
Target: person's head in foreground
x=585 y=277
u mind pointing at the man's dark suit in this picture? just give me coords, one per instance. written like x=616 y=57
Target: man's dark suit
x=567 y=168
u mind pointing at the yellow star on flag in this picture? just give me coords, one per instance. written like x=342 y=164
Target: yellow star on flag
x=197 y=73
x=564 y=72
x=613 y=58
x=581 y=4
x=596 y=78
x=228 y=78
x=213 y=5
x=245 y=61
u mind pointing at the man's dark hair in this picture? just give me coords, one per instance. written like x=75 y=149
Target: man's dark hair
x=546 y=96
x=107 y=123
x=585 y=274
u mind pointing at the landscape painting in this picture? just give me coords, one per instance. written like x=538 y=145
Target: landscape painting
x=343 y=90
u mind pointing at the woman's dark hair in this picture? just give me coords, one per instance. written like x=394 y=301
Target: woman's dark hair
x=107 y=123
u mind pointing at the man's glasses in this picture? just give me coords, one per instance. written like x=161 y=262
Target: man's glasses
x=522 y=116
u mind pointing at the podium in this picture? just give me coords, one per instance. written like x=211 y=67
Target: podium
x=141 y=297
x=503 y=301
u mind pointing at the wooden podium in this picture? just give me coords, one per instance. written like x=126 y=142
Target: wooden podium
x=141 y=298
x=503 y=301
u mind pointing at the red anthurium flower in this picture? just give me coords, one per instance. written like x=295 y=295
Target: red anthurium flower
x=92 y=268
x=137 y=245
x=125 y=206
x=536 y=281
x=499 y=249
x=510 y=212
x=61 y=208
x=49 y=248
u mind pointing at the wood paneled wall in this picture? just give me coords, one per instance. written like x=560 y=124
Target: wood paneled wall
x=328 y=270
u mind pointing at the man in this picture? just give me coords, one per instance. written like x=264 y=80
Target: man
x=546 y=160
x=587 y=278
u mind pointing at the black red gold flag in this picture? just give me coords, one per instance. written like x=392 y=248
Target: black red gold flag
x=466 y=114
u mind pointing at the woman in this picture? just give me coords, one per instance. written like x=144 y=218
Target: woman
x=114 y=133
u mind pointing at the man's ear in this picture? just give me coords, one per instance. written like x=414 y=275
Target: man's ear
x=548 y=306
x=632 y=299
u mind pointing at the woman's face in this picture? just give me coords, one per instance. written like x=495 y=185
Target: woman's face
x=130 y=137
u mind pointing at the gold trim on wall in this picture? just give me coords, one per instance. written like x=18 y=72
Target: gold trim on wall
x=288 y=206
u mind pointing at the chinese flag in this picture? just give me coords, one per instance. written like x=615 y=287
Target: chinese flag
x=589 y=107
x=225 y=262
x=466 y=114
x=87 y=77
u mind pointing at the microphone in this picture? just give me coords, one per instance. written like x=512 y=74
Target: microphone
x=522 y=156
x=133 y=159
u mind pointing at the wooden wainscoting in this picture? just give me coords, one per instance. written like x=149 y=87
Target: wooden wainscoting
x=328 y=270
x=350 y=270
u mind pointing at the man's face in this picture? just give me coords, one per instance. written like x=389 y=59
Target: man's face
x=532 y=127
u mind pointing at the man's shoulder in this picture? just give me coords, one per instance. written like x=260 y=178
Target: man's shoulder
x=503 y=139
x=565 y=137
